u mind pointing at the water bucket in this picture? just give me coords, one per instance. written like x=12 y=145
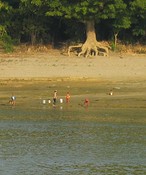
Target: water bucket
x=49 y=101
x=61 y=100
x=44 y=101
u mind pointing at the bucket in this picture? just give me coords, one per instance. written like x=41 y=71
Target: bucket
x=61 y=100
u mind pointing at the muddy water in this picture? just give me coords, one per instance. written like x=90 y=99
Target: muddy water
x=108 y=137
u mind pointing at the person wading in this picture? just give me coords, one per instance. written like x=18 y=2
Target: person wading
x=55 y=97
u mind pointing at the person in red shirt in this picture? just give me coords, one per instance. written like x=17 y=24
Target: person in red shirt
x=86 y=102
x=67 y=97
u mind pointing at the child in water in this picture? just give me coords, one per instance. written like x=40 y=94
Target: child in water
x=12 y=100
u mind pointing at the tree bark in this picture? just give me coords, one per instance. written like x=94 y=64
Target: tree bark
x=33 y=38
x=115 y=39
x=90 y=31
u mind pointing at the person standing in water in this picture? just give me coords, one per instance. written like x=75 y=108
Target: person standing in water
x=67 y=97
x=12 y=100
x=55 y=97
x=86 y=102
x=111 y=92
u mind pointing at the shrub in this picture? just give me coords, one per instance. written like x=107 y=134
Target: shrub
x=7 y=43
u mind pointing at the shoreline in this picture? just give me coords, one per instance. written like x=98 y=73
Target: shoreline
x=45 y=66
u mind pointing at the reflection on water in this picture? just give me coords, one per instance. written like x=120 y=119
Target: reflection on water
x=72 y=147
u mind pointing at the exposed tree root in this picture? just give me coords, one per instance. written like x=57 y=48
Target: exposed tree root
x=90 y=49
x=74 y=47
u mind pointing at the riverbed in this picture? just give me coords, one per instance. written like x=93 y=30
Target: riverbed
x=107 y=137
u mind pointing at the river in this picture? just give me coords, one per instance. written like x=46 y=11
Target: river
x=107 y=138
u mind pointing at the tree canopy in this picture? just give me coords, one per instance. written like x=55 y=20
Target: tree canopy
x=138 y=10
x=44 y=21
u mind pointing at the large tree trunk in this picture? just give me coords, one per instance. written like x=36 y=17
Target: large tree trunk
x=91 y=46
x=90 y=32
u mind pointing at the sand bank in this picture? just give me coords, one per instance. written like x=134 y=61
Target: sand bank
x=45 y=65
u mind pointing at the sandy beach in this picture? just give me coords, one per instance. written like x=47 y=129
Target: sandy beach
x=55 y=65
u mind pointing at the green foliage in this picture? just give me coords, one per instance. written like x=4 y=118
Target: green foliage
x=3 y=5
x=43 y=20
x=114 y=10
x=2 y=30
x=6 y=42
x=113 y=47
x=138 y=11
x=5 y=39
x=35 y=25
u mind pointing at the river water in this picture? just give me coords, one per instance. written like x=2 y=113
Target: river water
x=72 y=147
x=43 y=140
